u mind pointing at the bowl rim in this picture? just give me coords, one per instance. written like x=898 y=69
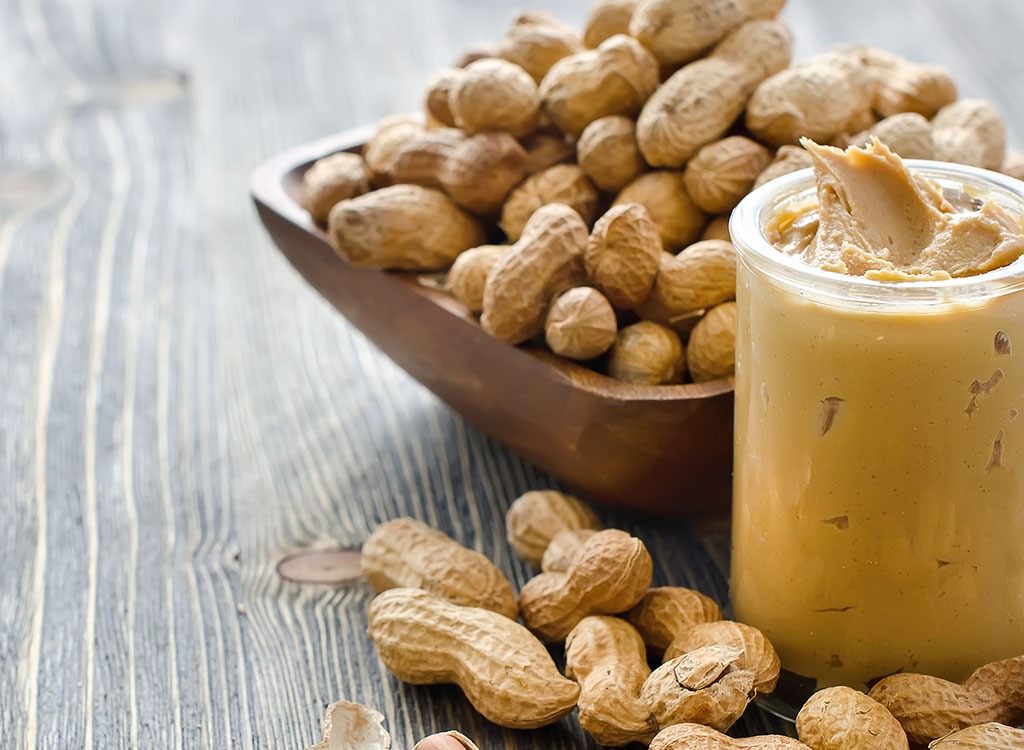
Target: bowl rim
x=268 y=185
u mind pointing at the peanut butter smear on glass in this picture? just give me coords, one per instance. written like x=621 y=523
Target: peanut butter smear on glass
x=876 y=218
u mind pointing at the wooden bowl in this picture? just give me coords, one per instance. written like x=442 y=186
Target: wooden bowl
x=663 y=449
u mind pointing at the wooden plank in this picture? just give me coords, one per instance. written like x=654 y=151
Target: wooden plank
x=178 y=412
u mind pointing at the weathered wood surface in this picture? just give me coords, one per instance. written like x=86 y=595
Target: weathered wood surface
x=178 y=412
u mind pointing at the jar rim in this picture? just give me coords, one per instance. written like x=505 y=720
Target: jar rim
x=749 y=219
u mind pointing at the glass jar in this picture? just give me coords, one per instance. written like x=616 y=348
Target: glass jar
x=878 y=510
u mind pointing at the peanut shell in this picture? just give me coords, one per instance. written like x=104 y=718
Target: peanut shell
x=705 y=686
x=607 y=151
x=610 y=575
x=404 y=227
x=333 y=179
x=788 y=159
x=647 y=353
x=722 y=172
x=614 y=79
x=988 y=736
x=816 y=98
x=623 y=255
x=468 y=274
x=547 y=259
x=580 y=324
x=691 y=736
x=908 y=134
x=536 y=517
x=699 y=103
x=666 y=613
x=480 y=171
x=905 y=86
x=403 y=152
x=536 y=41
x=929 y=707
x=606 y=656
x=505 y=672
x=841 y=718
x=438 y=90
x=563 y=549
x=404 y=552
x=1013 y=165
x=607 y=18
x=494 y=94
x=663 y=194
x=970 y=131
x=700 y=277
x=562 y=183
x=717 y=229
x=546 y=149
x=678 y=31
x=476 y=51
x=352 y=725
x=712 y=349
x=757 y=654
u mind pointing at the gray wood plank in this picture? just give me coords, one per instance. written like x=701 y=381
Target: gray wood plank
x=178 y=412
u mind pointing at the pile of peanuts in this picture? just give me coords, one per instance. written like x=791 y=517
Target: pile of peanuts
x=575 y=187
x=447 y=614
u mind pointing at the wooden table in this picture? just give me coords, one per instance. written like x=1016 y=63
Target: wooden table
x=178 y=412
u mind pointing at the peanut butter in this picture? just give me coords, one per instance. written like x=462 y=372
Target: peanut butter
x=879 y=479
x=875 y=218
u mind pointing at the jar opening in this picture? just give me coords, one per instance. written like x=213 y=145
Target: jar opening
x=750 y=218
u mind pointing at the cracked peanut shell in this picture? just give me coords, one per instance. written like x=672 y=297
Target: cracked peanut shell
x=756 y=652
x=705 y=686
x=352 y=725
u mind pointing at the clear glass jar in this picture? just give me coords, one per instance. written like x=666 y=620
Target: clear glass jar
x=878 y=510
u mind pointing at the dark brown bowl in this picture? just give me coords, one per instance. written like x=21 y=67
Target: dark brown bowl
x=664 y=449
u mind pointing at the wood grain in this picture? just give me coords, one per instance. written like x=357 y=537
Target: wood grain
x=179 y=412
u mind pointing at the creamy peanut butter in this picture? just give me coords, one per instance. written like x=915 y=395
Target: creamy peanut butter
x=879 y=472
x=875 y=218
